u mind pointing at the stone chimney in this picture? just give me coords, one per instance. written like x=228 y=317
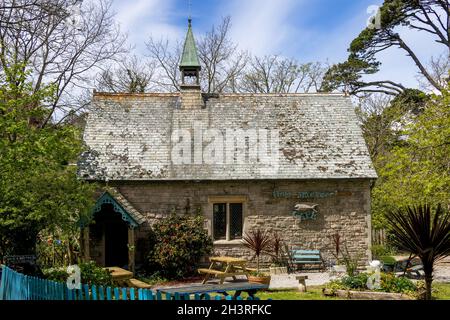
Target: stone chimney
x=191 y=94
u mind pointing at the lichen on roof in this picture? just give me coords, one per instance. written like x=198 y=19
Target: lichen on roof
x=129 y=137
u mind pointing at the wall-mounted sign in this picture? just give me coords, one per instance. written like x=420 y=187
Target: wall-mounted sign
x=305 y=211
x=303 y=195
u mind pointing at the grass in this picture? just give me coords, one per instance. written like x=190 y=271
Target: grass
x=441 y=291
x=313 y=293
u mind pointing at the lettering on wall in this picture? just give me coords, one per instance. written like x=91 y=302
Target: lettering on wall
x=277 y=194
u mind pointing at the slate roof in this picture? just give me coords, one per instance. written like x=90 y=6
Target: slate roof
x=126 y=205
x=129 y=137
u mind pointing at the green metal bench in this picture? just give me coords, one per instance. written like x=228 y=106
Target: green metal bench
x=306 y=257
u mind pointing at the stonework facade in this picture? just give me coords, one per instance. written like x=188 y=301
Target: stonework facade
x=347 y=212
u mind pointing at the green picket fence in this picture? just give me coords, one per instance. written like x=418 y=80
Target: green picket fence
x=16 y=286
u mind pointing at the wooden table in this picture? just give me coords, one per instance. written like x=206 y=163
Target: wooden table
x=120 y=276
x=233 y=267
x=202 y=290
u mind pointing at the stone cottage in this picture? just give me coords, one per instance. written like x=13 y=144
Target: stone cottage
x=295 y=164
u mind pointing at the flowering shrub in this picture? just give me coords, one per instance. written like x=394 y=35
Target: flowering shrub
x=178 y=244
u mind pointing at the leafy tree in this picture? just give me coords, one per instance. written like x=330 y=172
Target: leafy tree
x=429 y=16
x=38 y=185
x=417 y=169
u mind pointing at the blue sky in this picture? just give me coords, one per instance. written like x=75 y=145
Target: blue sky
x=309 y=30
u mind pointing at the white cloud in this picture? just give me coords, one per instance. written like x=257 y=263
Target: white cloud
x=144 y=18
x=262 y=26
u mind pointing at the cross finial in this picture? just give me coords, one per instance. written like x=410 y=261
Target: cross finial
x=190 y=10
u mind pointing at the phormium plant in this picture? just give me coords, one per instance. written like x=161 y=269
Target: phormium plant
x=424 y=232
x=258 y=241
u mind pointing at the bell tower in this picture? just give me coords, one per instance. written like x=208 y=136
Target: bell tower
x=191 y=95
x=190 y=64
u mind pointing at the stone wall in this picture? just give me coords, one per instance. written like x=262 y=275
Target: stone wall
x=191 y=97
x=346 y=212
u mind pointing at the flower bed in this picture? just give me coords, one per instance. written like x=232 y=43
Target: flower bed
x=390 y=288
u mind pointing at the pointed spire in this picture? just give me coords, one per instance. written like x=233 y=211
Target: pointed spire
x=189 y=59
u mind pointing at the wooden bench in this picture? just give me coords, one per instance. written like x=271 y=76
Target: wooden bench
x=220 y=274
x=306 y=257
x=135 y=283
x=229 y=266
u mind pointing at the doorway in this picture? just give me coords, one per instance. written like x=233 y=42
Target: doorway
x=115 y=237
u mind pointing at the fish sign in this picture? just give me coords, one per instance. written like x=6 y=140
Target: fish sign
x=305 y=211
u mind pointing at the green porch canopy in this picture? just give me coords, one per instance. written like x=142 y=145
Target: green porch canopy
x=130 y=215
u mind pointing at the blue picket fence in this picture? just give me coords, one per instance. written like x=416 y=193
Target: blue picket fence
x=16 y=286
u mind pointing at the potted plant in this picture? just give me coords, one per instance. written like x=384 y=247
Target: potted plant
x=258 y=241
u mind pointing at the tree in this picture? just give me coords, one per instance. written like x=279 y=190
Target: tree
x=383 y=119
x=423 y=233
x=38 y=185
x=378 y=118
x=348 y=78
x=417 y=169
x=60 y=45
x=438 y=68
x=221 y=62
x=275 y=74
x=167 y=59
x=226 y=69
x=427 y=16
x=131 y=76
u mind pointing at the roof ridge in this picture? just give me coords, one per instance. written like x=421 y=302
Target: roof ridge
x=176 y=94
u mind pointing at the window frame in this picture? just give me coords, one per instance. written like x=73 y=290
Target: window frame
x=227 y=200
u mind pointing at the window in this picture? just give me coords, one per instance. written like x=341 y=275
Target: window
x=227 y=221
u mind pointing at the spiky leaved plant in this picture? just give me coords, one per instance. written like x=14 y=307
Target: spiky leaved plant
x=422 y=232
x=276 y=249
x=337 y=245
x=258 y=241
